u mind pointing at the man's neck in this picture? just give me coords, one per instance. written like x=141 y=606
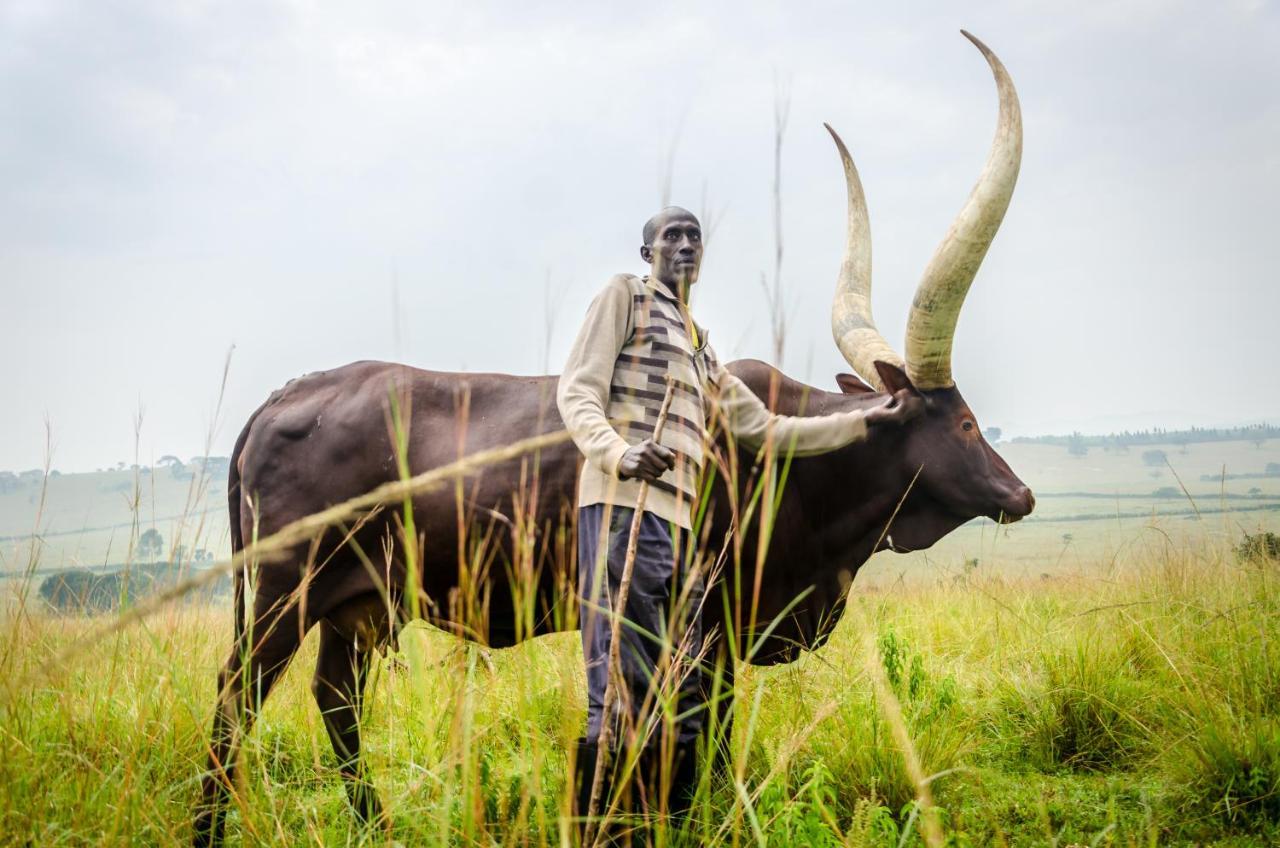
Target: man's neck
x=676 y=291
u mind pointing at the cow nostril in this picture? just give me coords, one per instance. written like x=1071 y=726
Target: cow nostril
x=1030 y=498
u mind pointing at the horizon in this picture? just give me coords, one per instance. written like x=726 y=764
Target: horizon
x=1005 y=438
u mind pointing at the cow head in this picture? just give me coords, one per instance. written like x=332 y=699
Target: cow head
x=960 y=477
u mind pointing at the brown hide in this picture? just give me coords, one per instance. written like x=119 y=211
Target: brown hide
x=325 y=438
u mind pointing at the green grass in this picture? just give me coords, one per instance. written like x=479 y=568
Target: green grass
x=1139 y=705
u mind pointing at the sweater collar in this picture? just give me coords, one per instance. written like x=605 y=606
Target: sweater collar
x=661 y=288
x=658 y=287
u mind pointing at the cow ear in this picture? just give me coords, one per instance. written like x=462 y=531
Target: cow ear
x=894 y=378
x=851 y=385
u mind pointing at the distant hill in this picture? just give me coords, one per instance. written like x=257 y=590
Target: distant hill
x=88 y=520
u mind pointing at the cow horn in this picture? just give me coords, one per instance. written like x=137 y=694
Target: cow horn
x=932 y=323
x=851 y=322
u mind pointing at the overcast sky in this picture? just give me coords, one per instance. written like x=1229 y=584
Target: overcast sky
x=434 y=183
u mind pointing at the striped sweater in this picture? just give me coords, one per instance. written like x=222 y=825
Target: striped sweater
x=634 y=335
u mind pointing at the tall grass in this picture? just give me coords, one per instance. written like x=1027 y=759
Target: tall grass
x=1137 y=704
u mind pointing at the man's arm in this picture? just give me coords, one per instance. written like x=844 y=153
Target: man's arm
x=583 y=393
x=750 y=421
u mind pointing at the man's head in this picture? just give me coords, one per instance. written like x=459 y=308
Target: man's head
x=673 y=247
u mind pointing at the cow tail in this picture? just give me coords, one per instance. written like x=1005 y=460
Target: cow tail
x=234 y=501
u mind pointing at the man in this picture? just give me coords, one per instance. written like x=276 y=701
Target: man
x=639 y=331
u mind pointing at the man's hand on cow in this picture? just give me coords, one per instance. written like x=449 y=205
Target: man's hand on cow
x=646 y=461
x=898 y=408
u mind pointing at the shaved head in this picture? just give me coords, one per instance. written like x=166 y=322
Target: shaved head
x=670 y=213
x=673 y=248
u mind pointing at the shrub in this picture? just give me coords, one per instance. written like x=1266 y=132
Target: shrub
x=89 y=592
x=1154 y=457
x=84 y=591
x=1258 y=547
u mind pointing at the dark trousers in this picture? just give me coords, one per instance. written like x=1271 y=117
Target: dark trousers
x=663 y=609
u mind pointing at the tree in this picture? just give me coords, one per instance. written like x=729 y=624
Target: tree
x=993 y=434
x=150 y=544
x=1272 y=469
x=1076 y=445
x=1154 y=457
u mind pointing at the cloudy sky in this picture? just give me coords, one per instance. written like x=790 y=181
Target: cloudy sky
x=442 y=183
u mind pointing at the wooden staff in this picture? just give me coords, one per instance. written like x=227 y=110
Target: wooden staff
x=605 y=740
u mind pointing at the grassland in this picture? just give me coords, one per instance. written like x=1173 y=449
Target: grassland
x=1117 y=687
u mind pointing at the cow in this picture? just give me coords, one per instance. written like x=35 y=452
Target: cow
x=334 y=435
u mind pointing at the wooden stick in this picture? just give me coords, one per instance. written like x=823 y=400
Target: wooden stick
x=605 y=740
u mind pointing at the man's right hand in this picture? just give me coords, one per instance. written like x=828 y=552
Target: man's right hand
x=646 y=461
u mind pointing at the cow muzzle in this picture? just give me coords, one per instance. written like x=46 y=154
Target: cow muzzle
x=1018 y=506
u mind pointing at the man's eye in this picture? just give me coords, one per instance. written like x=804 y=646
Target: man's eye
x=695 y=236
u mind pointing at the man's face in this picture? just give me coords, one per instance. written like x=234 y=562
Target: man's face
x=676 y=252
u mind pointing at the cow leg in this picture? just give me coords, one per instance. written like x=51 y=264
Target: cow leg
x=342 y=669
x=243 y=684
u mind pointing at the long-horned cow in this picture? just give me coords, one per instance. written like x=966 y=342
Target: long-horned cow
x=326 y=437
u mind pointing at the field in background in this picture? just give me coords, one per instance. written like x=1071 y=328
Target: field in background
x=1087 y=508
x=88 y=520
x=1103 y=673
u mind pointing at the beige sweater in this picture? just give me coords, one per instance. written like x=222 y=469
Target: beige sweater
x=635 y=334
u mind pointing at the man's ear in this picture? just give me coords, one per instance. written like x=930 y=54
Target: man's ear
x=646 y=253
x=894 y=378
x=851 y=385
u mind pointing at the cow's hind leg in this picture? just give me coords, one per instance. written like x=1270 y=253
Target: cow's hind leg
x=243 y=684
x=342 y=669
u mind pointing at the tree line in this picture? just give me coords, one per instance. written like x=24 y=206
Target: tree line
x=1125 y=439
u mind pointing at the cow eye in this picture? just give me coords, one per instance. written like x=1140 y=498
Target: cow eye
x=968 y=425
